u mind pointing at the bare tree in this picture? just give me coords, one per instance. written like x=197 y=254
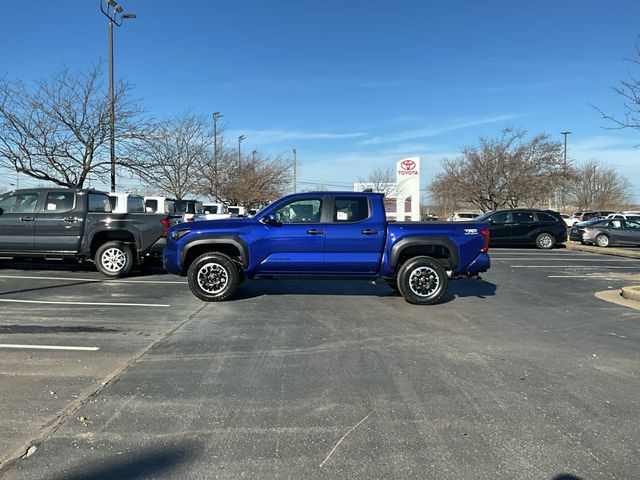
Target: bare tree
x=597 y=186
x=508 y=171
x=629 y=90
x=253 y=181
x=170 y=158
x=381 y=181
x=57 y=130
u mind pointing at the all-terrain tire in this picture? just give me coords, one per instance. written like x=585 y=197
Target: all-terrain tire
x=213 y=277
x=422 y=280
x=114 y=259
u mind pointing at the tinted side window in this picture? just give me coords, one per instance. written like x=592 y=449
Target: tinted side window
x=498 y=218
x=350 y=209
x=99 y=203
x=59 y=202
x=20 y=203
x=307 y=210
x=545 y=217
x=523 y=217
x=169 y=206
x=198 y=207
x=152 y=204
x=135 y=204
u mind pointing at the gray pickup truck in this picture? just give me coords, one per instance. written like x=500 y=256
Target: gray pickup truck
x=61 y=222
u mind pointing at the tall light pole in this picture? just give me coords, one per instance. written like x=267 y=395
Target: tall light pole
x=295 y=168
x=564 y=167
x=240 y=139
x=216 y=116
x=113 y=11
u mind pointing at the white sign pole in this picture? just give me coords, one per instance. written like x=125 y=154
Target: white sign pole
x=408 y=181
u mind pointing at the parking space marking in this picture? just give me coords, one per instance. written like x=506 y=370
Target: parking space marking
x=99 y=304
x=573 y=266
x=567 y=259
x=49 y=347
x=97 y=280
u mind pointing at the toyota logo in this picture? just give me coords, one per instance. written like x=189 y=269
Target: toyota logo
x=408 y=164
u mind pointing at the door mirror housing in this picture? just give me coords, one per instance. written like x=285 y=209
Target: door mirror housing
x=1 y=211
x=270 y=219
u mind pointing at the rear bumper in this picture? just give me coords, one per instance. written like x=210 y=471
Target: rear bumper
x=482 y=263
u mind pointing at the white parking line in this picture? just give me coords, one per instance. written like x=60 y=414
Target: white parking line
x=100 y=304
x=568 y=259
x=572 y=266
x=97 y=280
x=49 y=347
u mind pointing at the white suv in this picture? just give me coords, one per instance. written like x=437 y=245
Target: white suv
x=463 y=216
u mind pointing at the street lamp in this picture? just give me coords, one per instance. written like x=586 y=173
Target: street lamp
x=240 y=139
x=113 y=11
x=564 y=166
x=295 y=168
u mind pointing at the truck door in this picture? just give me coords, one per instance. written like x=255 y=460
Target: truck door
x=354 y=241
x=59 y=223
x=17 y=221
x=296 y=243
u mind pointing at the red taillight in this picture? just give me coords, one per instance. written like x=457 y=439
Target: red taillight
x=166 y=223
x=485 y=237
x=190 y=219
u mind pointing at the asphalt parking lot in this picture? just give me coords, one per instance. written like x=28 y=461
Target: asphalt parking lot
x=525 y=374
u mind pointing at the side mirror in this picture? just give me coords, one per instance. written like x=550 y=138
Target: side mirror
x=1 y=211
x=270 y=219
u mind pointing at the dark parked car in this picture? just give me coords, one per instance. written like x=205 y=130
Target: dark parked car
x=542 y=228
x=612 y=231
x=594 y=214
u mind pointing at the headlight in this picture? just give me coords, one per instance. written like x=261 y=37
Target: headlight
x=178 y=234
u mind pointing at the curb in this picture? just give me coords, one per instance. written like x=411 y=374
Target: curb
x=631 y=293
x=617 y=252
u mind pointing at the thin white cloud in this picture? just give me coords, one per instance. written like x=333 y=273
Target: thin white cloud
x=278 y=135
x=435 y=131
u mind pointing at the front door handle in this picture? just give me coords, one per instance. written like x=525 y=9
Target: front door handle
x=315 y=231
x=71 y=219
x=27 y=219
x=369 y=232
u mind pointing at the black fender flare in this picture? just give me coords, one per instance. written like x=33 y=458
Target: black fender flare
x=234 y=240
x=403 y=244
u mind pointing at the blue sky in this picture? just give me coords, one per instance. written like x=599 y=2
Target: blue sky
x=356 y=85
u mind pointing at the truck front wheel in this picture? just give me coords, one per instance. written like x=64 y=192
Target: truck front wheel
x=114 y=259
x=422 y=280
x=213 y=277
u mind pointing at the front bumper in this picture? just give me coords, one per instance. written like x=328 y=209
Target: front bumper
x=171 y=261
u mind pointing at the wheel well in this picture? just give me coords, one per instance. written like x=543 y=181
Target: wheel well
x=197 y=250
x=439 y=252
x=104 y=237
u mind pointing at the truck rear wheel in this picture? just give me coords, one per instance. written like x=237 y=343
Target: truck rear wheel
x=422 y=280
x=114 y=259
x=213 y=277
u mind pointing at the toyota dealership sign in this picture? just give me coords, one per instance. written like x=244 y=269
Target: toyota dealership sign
x=408 y=180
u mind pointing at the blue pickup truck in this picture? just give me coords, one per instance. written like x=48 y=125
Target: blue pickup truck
x=331 y=235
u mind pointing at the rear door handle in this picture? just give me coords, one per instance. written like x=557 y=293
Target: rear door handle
x=315 y=231
x=369 y=232
x=27 y=219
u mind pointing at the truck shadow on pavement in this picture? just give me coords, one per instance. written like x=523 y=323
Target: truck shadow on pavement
x=149 y=463
x=253 y=289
